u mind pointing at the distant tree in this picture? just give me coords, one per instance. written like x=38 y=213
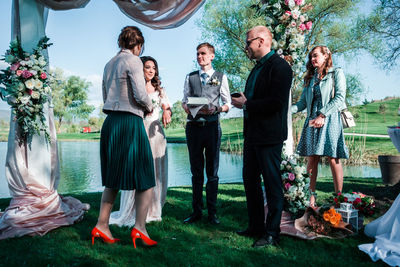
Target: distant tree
x=382 y=108
x=178 y=119
x=69 y=97
x=382 y=29
x=355 y=89
x=225 y=23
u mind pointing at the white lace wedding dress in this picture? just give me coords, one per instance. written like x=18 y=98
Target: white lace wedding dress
x=386 y=230
x=126 y=216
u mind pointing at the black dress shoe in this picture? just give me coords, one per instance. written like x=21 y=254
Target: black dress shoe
x=248 y=232
x=192 y=218
x=213 y=219
x=266 y=241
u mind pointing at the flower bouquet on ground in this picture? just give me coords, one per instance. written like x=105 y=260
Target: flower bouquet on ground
x=296 y=183
x=363 y=203
x=25 y=87
x=323 y=222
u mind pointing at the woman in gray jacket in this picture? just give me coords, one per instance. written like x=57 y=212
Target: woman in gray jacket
x=125 y=153
x=324 y=97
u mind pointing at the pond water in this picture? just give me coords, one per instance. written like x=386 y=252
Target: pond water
x=80 y=168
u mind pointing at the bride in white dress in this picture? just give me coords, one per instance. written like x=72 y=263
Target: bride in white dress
x=127 y=214
x=386 y=230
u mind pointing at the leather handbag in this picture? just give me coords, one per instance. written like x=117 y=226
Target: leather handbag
x=345 y=115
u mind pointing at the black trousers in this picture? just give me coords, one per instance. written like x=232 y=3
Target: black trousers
x=204 y=141
x=263 y=160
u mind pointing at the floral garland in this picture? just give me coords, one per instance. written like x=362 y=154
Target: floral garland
x=296 y=184
x=26 y=88
x=288 y=22
x=363 y=203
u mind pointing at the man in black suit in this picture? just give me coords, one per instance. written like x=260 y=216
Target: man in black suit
x=265 y=105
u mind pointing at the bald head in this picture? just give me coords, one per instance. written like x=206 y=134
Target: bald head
x=258 y=42
x=261 y=31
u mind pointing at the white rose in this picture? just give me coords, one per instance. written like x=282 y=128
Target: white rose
x=35 y=95
x=24 y=99
x=34 y=72
x=281 y=43
x=274 y=44
x=29 y=84
x=302 y=18
x=38 y=84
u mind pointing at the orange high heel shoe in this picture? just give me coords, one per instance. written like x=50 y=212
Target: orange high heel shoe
x=97 y=233
x=146 y=240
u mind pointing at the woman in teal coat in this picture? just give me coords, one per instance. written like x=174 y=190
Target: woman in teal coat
x=324 y=97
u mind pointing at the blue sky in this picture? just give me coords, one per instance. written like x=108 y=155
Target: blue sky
x=85 y=39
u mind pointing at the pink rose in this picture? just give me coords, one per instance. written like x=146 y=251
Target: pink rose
x=288 y=13
x=302 y=27
x=29 y=91
x=295 y=16
x=19 y=72
x=14 y=66
x=287 y=186
x=293 y=24
x=26 y=74
x=291 y=176
x=43 y=75
x=308 y=25
x=298 y=2
x=286 y=2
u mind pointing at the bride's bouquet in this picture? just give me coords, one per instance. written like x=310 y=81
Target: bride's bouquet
x=296 y=184
x=25 y=87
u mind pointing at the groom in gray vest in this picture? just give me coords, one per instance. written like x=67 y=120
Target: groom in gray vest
x=203 y=132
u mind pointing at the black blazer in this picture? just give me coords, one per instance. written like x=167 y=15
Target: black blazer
x=267 y=110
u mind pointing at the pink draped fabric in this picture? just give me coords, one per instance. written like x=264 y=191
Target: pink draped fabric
x=156 y=14
x=32 y=169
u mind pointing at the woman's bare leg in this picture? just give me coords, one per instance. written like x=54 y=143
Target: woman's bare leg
x=312 y=167
x=337 y=174
x=143 y=201
x=107 y=202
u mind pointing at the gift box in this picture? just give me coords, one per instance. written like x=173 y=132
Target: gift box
x=349 y=215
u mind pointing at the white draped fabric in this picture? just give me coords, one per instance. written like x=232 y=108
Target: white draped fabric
x=386 y=230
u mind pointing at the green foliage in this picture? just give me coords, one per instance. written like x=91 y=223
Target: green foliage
x=382 y=31
x=69 y=97
x=179 y=115
x=355 y=89
x=224 y=24
x=382 y=108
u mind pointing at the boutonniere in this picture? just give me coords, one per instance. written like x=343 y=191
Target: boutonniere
x=214 y=81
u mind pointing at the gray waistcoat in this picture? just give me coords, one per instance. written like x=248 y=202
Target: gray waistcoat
x=211 y=92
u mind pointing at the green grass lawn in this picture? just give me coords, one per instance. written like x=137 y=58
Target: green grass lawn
x=370 y=121
x=199 y=244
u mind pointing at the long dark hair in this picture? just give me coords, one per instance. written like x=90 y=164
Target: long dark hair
x=156 y=79
x=310 y=68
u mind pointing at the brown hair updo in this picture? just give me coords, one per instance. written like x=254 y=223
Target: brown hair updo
x=130 y=37
x=310 y=68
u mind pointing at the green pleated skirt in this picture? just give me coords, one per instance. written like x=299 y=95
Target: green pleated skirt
x=125 y=153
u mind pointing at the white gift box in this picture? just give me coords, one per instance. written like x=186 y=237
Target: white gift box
x=349 y=215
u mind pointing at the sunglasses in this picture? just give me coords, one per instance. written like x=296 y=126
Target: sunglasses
x=248 y=42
